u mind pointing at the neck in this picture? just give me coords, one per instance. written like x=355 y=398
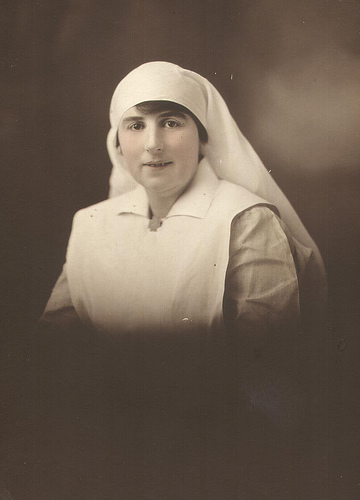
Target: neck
x=159 y=206
x=161 y=203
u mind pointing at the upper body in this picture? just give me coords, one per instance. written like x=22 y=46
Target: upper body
x=230 y=250
x=221 y=256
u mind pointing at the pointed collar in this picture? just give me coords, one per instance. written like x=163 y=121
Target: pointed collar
x=195 y=202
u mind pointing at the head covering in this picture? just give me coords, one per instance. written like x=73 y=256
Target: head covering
x=227 y=151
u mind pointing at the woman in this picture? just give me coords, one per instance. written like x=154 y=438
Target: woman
x=197 y=235
x=196 y=242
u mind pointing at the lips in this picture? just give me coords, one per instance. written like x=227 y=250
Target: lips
x=157 y=164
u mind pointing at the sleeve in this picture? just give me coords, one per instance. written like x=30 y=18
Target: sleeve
x=261 y=312
x=59 y=310
x=261 y=285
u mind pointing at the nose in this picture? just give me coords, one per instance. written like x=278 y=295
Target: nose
x=153 y=141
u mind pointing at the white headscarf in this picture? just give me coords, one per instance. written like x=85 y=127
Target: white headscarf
x=228 y=152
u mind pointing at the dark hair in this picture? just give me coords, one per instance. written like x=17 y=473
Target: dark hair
x=148 y=107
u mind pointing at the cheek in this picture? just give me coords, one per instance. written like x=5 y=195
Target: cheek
x=189 y=142
x=191 y=148
x=129 y=147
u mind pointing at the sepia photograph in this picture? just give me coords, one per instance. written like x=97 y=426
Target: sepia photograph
x=181 y=254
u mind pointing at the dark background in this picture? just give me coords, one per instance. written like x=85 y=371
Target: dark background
x=289 y=71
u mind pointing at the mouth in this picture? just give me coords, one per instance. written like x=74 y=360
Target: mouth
x=157 y=164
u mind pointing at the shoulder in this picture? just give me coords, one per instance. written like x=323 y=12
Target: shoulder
x=264 y=228
x=94 y=221
x=98 y=209
x=239 y=198
x=102 y=211
x=260 y=222
x=260 y=214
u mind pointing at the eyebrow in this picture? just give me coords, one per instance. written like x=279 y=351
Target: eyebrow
x=178 y=114
x=131 y=118
x=165 y=114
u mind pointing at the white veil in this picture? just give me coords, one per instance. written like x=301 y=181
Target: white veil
x=228 y=152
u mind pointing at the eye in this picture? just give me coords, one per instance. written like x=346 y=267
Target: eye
x=171 y=124
x=136 y=126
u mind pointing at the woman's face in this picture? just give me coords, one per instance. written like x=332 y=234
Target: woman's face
x=160 y=149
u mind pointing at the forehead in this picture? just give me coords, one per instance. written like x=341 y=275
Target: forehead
x=139 y=113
